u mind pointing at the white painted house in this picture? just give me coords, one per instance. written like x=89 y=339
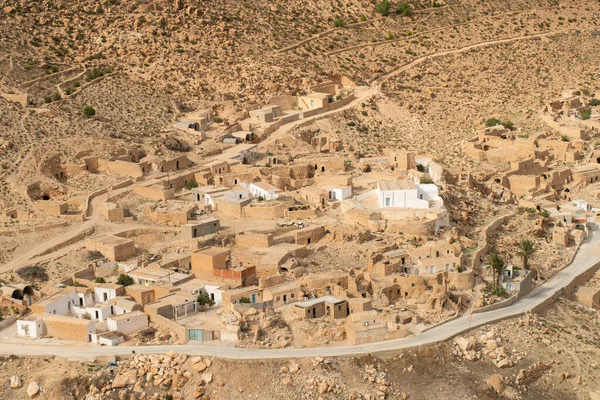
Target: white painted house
x=31 y=326
x=407 y=194
x=338 y=193
x=215 y=293
x=264 y=190
x=127 y=323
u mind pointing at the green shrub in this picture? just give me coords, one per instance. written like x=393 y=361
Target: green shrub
x=204 y=299
x=363 y=18
x=245 y=300
x=339 y=23
x=124 y=280
x=389 y=36
x=47 y=99
x=383 y=8
x=594 y=102
x=191 y=184
x=586 y=113
x=564 y=138
x=508 y=124
x=492 y=122
x=403 y=9
x=89 y=111
x=421 y=168
x=218 y=120
x=100 y=280
x=56 y=97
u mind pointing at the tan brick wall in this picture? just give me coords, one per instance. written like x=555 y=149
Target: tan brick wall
x=154 y=192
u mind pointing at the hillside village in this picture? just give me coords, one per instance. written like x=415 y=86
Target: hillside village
x=229 y=245
x=331 y=197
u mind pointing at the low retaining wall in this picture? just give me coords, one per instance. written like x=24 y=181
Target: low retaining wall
x=172 y=326
x=66 y=243
x=482 y=249
x=452 y=318
x=8 y=321
x=511 y=300
x=42 y=228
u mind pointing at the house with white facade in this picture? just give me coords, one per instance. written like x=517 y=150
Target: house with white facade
x=127 y=323
x=407 y=194
x=264 y=190
x=338 y=193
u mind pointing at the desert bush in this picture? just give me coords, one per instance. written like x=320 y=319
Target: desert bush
x=174 y=144
x=403 y=9
x=124 y=280
x=383 y=8
x=339 y=23
x=492 y=122
x=33 y=273
x=89 y=111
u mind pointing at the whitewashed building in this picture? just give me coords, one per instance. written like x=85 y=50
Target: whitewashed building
x=407 y=194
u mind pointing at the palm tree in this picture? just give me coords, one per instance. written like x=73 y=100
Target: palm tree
x=526 y=249
x=497 y=266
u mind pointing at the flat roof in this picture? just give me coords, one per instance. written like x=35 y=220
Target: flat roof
x=324 y=299
x=397 y=185
x=66 y=319
x=157 y=274
x=139 y=288
x=128 y=315
x=111 y=240
x=265 y=186
x=110 y=286
x=244 y=289
x=213 y=251
x=172 y=299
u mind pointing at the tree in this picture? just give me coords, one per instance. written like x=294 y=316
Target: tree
x=526 y=249
x=594 y=102
x=124 y=280
x=403 y=9
x=383 y=8
x=89 y=111
x=496 y=265
x=204 y=299
x=100 y=280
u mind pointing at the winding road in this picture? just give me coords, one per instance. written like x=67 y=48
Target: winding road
x=587 y=258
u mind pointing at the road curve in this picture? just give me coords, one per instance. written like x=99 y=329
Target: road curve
x=587 y=257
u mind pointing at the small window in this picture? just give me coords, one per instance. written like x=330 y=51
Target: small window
x=278 y=298
x=292 y=295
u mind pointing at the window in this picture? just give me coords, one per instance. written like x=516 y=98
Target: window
x=278 y=298
x=388 y=201
x=292 y=295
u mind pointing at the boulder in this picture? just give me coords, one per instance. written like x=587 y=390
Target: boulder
x=496 y=382
x=33 y=389
x=15 y=382
x=207 y=378
x=463 y=343
x=199 y=367
x=124 y=378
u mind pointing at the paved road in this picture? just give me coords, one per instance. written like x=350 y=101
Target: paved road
x=587 y=257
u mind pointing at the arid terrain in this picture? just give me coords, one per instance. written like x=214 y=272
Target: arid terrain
x=290 y=175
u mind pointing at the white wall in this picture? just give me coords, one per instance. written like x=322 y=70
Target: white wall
x=102 y=310
x=215 y=293
x=341 y=193
x=412 y=198
x=99 y=294
x=135 y=322
x=32 y=329
x=266 y=194
x=63 y=305
x=237 y=194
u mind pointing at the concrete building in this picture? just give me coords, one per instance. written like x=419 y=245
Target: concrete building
x=264 y=190
x=267 y=114
x=127 y=323
x=108 y=291
x=330 y=306
x=200 y=228
x=31 y=326
x=407 y=194
x=205 y=261
x=112 y=247
x=284 y=294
